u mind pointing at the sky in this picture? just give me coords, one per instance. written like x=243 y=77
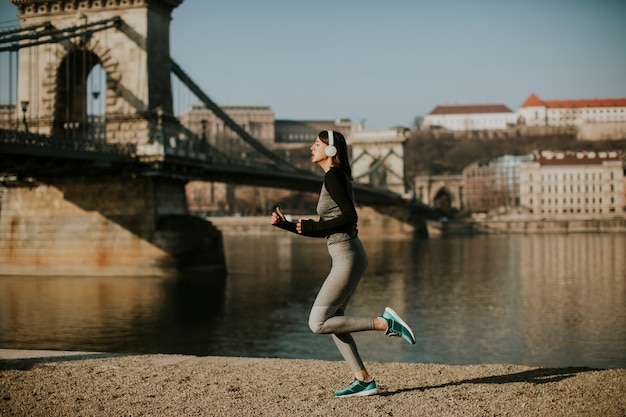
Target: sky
x=385 y=62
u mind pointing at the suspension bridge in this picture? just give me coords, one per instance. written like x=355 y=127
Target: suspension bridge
x=94 y=145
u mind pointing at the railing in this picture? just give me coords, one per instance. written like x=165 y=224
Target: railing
x=191 y=150
x=37 y=141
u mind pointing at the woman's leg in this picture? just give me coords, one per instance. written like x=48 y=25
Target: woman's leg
x=349 y=261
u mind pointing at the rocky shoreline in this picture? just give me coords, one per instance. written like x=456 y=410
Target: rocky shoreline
x=43 y=383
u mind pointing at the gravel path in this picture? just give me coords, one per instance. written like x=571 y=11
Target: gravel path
x=53 y=384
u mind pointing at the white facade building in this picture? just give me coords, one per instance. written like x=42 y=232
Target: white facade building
x=573 y=184
x=470 y=117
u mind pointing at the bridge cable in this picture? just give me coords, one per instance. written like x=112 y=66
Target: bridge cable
x=73 y=31
x=11 y=86
x=6 y=32
x=84 y=117
x=230 y=123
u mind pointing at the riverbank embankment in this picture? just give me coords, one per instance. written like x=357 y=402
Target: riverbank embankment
x=44 y=383
x=372 y=224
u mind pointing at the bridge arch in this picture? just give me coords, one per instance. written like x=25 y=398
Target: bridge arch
x=70 y=109
x=443 y=199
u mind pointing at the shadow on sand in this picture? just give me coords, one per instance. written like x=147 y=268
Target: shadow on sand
x=533 y=376
x=25 y=364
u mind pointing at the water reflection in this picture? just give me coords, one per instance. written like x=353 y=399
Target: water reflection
x=573 y=296
x=550 y=300
x=103 y=314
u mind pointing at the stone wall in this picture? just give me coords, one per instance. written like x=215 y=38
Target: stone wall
x=602 y=131
x=371 y=224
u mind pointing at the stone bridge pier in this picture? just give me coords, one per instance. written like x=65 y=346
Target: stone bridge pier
x=105 y=226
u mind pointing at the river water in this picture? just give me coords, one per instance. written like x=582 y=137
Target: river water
x=541 y=300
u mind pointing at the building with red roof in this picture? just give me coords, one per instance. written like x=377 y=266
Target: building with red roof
x=537 y=112
x=592 y=119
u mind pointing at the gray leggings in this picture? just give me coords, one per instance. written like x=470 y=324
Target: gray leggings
x=349 y=261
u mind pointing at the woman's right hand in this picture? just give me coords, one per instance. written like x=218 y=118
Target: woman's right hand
x=277 y=216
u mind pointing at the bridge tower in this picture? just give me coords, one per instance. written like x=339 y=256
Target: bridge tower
x=107 y=221
x=378 y=158
x=135 y=56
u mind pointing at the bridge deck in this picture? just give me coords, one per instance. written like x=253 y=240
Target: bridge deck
x=37 y=156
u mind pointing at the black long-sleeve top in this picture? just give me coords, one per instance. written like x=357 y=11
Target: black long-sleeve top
x=335 y=208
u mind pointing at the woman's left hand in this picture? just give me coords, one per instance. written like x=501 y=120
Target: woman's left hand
x=299 y=226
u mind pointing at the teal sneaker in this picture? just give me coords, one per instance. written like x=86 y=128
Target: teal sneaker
x=358 y=389
x=396 y=327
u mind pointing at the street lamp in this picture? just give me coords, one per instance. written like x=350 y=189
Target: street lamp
x=204 y=144
x=24 y=108
x=204 y=123
x=95 y=123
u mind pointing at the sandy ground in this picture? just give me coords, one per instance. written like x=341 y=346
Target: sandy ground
x=40 y=383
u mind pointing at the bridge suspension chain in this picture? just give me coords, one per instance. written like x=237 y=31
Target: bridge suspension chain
x=7 y=32
x=228 y=121
x=53 y=35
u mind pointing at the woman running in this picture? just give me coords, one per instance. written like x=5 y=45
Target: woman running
x=338 y=224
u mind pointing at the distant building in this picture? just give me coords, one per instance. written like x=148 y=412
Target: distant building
x=593 y=119
x=8 y=117
x=470 y=117
x=588 y=119
x=566 y=184
x=378 y=158
x=305 y=131
x=257 y=120
x=493 y=184
x=537 y=112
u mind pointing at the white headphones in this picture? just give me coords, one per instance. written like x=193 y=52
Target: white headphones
x=330 y=149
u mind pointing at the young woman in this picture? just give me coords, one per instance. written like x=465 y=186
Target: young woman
x=338 y=224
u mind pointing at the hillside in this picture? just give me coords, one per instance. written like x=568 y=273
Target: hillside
x=426 y=154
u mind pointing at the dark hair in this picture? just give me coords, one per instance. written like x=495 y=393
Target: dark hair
x=340 y=160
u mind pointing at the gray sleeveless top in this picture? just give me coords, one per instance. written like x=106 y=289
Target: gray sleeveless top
x=328 y=209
